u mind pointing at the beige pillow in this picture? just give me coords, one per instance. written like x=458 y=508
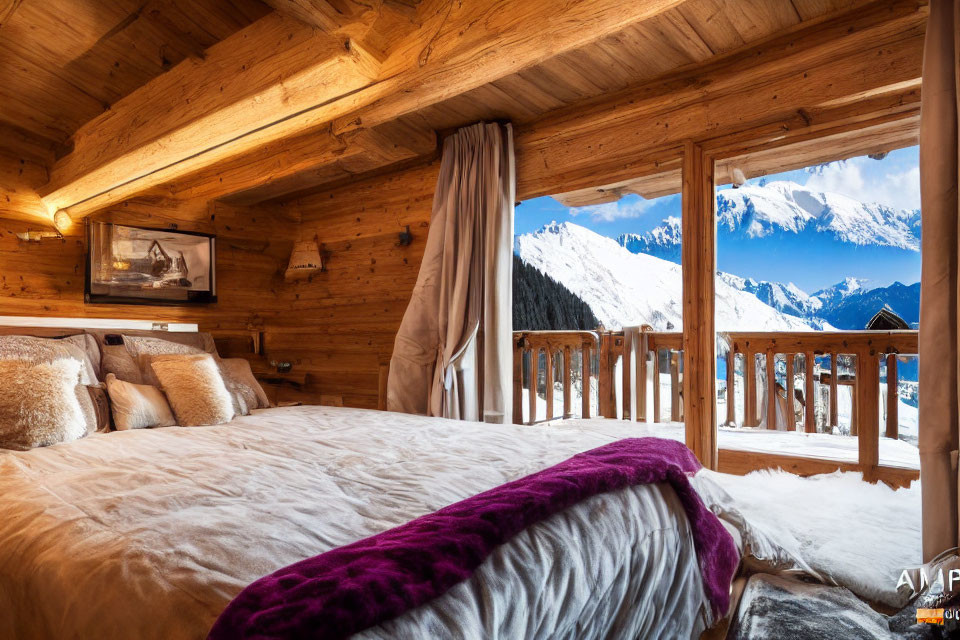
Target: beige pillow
x=137 y=406
x=39 y=403
x=143 y=349
x=195 y=389
x=101 y=406
x=38 y=350
x=240 y=380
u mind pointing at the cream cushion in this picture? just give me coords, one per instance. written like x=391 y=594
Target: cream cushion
x=195 y=389
x=39 y=404
x=137 y=406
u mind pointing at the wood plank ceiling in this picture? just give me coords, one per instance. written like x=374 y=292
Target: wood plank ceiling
x=64 y=63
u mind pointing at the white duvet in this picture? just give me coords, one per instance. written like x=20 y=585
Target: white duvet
x=150 y=533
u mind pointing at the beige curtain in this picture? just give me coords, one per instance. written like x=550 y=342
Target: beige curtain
x=939 y=297
x=452 y=356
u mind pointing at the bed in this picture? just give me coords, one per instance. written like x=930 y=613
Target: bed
x=150 y=533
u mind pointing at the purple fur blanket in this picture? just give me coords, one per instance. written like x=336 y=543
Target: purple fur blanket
x=351 y=588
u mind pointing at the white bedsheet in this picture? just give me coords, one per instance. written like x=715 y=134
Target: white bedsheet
x=150 y=533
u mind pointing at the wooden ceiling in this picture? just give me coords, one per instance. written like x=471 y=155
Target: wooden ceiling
x=679 y=38
x=64 y=62
x=247 y=101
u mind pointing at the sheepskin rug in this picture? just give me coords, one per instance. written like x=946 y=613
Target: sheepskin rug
x=39 y=405
x=194 y=388
x=859 y=534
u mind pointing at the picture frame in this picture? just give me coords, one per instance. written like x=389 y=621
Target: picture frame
x=128 y=264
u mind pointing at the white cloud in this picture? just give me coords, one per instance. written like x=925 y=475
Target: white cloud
x=610 y=211
x=856 y=179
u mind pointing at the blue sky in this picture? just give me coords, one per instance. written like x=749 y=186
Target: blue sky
x=894 y=181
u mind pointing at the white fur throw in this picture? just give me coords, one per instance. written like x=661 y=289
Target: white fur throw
x=38 y=403
x=195 y=389
x=137 y=406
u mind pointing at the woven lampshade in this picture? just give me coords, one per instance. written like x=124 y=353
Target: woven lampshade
x=304 y=260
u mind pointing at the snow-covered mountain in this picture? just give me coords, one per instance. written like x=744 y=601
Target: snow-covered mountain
x=787 y=298
x=759 y=211
x=624 y=288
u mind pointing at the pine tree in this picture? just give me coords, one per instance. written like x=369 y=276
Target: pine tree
x=541 y=303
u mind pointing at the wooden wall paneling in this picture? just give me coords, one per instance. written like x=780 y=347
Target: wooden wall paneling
x=699 y=266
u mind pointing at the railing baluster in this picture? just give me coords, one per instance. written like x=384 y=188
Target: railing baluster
x=731 y=387
x=809 y=402
x=656 y=384
x=750 y=389
x=548 y=381
x=675 y=386
x=517 y=381
x=567 y=386
x=791 y=394
x=625 y=377
x=771 y=390
x=834 y=389
x=585 y=380
x=641 y=366
x=532 y=391
x=893 y=398
x=868 y=412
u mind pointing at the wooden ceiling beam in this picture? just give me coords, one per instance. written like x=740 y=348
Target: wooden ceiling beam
x=791 y=82
x=328 y=15
x=278 y=78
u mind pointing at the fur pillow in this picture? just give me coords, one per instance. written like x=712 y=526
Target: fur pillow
x=195 y=389
x=38 y=350
x=39 y=403
x=137 y=406
x=240 y=380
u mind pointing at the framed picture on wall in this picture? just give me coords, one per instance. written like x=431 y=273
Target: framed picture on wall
x=137 y=265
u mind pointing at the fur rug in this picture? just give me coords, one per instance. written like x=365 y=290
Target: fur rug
x=859 y=534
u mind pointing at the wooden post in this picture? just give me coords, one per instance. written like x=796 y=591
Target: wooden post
x=605 y=379
x=771 y=390
x=532 y=391
x=567 y=385
x=548 y=382
x=656 y=385
x=853 y=406
x=731 y=387
x=641 y=366
x=893 y=398
x=809 y=414
x=699 y=266
x=625 y=372
x=585 y=380
x=749 y=389
x=517 y=382
x=834 y=389
x=791 y=395
x=674 y=386
x=868 y=413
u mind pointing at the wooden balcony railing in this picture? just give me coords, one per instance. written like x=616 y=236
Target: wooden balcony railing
x=643 y=353
x=565 y=344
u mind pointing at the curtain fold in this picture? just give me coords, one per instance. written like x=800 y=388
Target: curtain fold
x=939 y=297
x=452 y=356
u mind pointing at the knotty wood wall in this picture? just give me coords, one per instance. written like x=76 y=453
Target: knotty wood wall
x=46 y=278
x=340 y=326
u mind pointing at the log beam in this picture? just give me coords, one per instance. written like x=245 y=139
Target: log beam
x=802 y=80
x=279 y=78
